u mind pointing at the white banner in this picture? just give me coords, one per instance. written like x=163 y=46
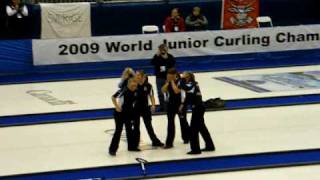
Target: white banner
x=144 y=46
x=65 y=20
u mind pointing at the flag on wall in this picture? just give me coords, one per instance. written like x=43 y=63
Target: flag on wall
x=239 y=14
x=65 y=20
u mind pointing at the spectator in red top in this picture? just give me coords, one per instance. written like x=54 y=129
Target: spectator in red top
x=174 y=23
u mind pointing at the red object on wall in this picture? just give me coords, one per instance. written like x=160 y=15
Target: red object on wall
x=239 y=14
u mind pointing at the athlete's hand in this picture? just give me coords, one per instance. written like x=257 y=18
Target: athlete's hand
x=158 y=53
x=181 y=108
x=153 y=108
x=118 y=109
x=164 y=56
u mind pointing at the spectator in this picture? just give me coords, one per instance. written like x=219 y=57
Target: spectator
x=196 y=21
x=16 y=14
x=162 y=61
x=174 y=23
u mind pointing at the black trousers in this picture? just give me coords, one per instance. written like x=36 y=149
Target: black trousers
x=185 y=129
x=145 y=113
x=198 y=126
x=160 y=82
x=17 y=28
x=147 y=119
x=136 y=130
x=122 y=119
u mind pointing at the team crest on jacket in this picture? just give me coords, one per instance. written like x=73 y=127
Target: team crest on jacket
x=241 y=10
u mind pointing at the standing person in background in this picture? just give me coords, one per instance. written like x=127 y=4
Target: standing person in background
x=161 y=62
x=126 y=74
x=196 y=21
x=16 y=16
x=124 y=101
x=175 y=99
x=145 y=92
x=174 y=22
x=194 y=98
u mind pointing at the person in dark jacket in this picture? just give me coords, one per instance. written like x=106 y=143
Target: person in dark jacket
x=194 y=98
x=17 y=13
x=162 y=61
x=196 y=21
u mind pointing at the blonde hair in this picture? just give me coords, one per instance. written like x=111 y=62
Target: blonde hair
x=196 y=9
x=127 y=73
x=189 y=75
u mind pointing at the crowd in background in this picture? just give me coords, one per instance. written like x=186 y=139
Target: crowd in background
x=196 y=21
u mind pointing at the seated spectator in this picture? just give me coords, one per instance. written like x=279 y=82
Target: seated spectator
x=174 y=23
x=196 y=21
x=16 y=13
